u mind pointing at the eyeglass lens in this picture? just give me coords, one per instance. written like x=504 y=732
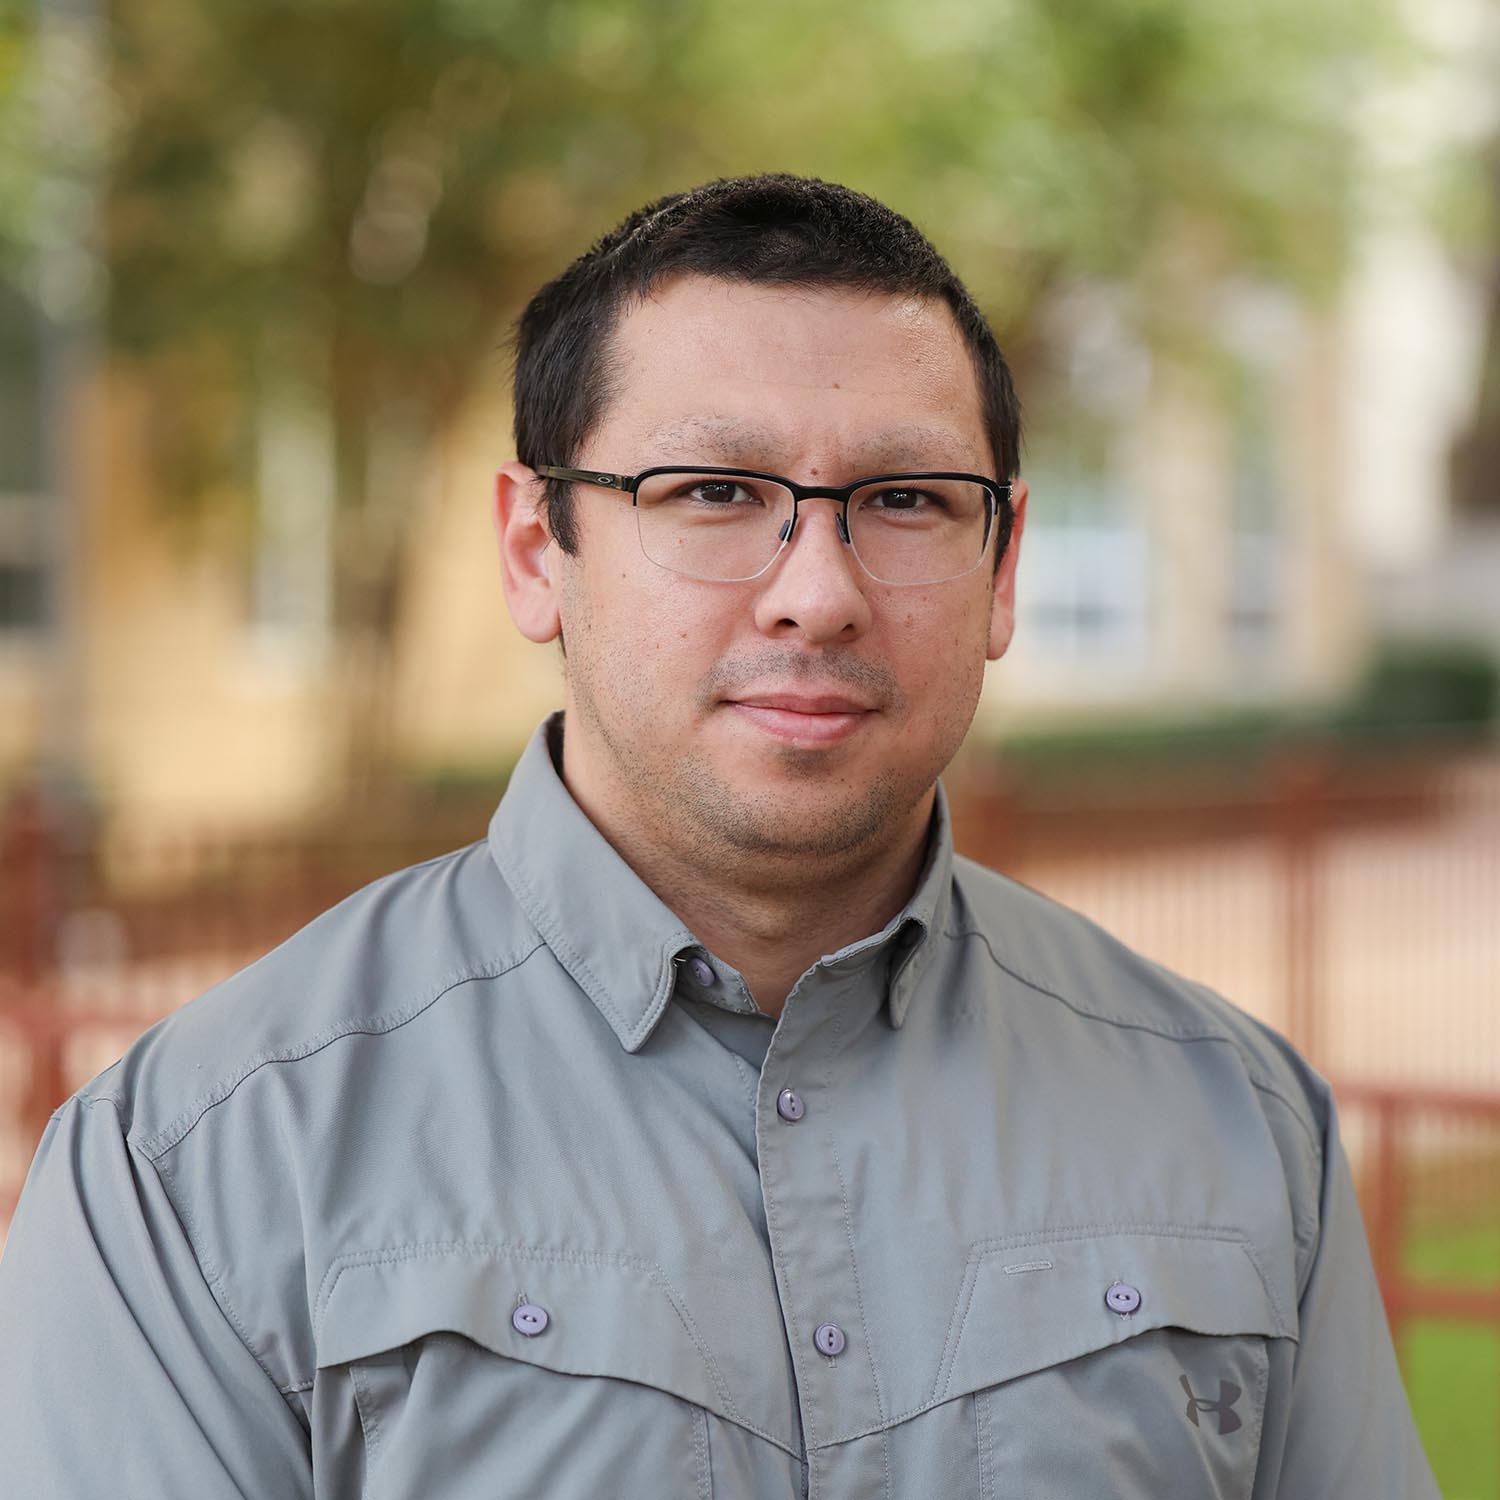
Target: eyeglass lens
x=726 y=527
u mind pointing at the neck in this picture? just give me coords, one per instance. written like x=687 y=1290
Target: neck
x=771 y=917
x=772 y=933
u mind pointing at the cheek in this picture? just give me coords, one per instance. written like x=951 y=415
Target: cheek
x=940 y=647
x=668 y=639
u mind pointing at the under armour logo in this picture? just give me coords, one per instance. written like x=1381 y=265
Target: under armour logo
x=1229 y=1393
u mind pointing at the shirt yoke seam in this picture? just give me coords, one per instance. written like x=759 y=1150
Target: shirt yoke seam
x=1130 y=1023
x=176 y=1130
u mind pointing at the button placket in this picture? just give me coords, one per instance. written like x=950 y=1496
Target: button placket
x=807 y=1217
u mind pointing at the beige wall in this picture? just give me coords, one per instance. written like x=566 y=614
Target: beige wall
x=189 y=714
x=186 y=712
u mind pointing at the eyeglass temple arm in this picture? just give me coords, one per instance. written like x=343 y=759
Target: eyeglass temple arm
x=585 y=476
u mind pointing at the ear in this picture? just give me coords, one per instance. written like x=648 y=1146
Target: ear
x=521 y=530
x=1003 y=605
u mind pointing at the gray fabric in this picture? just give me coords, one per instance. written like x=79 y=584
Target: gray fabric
x=275 y=1250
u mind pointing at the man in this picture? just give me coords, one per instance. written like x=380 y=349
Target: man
x=711 y=1129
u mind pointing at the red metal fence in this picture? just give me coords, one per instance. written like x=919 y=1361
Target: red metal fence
x=1394 y=1167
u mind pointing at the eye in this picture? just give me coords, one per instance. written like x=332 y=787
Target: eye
x=719 y=492
x=715 y=492
x=900 y=499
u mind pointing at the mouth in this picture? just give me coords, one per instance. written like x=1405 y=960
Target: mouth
x=822 y=719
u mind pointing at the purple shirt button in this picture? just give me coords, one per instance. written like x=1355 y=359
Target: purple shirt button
x=829 y=1338
x=1122 y=1298
x=702 y=970
x=529 y=1319
x=789 y=1105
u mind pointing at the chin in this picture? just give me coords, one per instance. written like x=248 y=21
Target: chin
x=783 y=817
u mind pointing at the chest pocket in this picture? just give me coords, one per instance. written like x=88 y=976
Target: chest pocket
x=1117 y=1364
x=520 y=1371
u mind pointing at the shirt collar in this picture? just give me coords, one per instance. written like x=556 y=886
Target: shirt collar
x=917 y=930
x=619 y=941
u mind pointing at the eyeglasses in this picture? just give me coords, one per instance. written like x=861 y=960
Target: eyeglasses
x=729 y=525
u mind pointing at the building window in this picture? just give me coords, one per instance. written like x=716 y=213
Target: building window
x=291 y=577
x=1084 y=597
x=1257 y=548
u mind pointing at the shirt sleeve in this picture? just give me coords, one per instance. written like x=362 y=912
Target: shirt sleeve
x=120 y=1373
x=1350 y=1426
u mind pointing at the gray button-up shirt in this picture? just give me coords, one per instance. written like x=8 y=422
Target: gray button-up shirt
x=493 y=1182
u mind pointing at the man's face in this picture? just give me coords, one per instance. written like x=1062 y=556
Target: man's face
x=669 y=679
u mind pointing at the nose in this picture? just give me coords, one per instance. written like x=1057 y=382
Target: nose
x=815 y=588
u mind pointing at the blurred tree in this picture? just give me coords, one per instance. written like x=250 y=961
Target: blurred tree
x=17 y=162
x=340 y=201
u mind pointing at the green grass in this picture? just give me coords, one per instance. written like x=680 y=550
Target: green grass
x=1466 y=1253
x=1453 y=1379
x=1452 y=1370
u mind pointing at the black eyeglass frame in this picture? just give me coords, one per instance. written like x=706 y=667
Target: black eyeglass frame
x=998 y=492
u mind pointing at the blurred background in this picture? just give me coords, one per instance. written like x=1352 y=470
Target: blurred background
x=258 y=262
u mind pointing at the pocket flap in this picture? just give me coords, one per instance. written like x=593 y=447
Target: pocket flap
x=1035 y=1301
x=607 y=1315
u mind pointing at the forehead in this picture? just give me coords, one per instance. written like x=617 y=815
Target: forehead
x=706 y=370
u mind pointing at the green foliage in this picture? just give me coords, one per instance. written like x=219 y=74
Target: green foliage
x=1413 y=695
x=17 y=143
x=1038 y=140
x=348 y=198
x=1442 y=684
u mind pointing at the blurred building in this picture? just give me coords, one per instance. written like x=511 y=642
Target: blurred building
x=1188 y=545
x=1250 y=537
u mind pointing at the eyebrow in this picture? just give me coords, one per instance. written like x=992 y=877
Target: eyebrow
x=733 y=440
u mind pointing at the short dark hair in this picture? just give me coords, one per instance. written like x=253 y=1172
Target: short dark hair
x=772 y=229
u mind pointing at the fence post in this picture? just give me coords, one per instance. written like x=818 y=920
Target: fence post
x=984 y=805
x=30 y=887
x=1390 y=1212
x=46 y=1085
x=1299 y=783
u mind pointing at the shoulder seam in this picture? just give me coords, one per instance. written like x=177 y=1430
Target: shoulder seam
x=1170 y=1033
x=159 y=1142
x=81 y=1098
x=1315 y=1145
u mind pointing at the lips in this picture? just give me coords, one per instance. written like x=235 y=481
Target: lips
x=820 y=703
x=802 y=721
